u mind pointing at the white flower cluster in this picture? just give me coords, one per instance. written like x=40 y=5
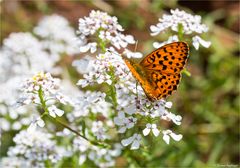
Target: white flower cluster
x=57 y=35
x=21 y=56
x=32 y=149
x=42 y=82
x=42 y=89
x=101 y=68
x=100 y=156
x=22 y=53
x=100 y=29
x=109 y=68
x=87 y=102
x=191 y=24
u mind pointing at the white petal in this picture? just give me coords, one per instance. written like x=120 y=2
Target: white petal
x=84 y=48
x=51 y=113
x=59 y=112
x=166 y=138
x=32 y=127
x=198 y=40
x=130 y=39
x=176 y=137
x=135 y=145
x=122 y=130
x=126 y=142
x=156 y=45
x=121 y=114
x=40 y=122
x=146 y=131
x=168 y=104
x=82 y=159
x=155 y=30
x=155 y=132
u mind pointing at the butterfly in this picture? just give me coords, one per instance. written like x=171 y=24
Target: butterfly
x=159 y=72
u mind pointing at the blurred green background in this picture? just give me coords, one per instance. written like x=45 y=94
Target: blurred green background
x=208 y=101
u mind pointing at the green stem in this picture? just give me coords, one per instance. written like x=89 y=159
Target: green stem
x=44 y=106
x=113 y=89
x=180 y=32
x=101 y=43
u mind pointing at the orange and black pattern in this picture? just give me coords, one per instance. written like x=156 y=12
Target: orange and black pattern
x=159 y=72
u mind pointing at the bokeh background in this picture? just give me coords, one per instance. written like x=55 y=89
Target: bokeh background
x=208 y=101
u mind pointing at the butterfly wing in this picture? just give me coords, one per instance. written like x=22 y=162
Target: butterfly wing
x=169 y=59
x=162 y=84
x=164 y=67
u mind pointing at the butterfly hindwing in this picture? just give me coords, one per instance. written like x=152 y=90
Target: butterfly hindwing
x=163 y=84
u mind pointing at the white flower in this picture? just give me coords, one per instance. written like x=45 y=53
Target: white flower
x=134 y=140
x=99 y=25
x=191 y=25
x=36 y=122
x=84 y=65
x=93 y=102
x=98 y=130
x=62 y=98
x=168 y=133
x=168 y=104
x=189 y=22
x=53 y=111
x=198 y=40
x=57 y=35
x=35 y=146
x=124 y=122
x=17 y=58
x=150 y=127
x=131 y=54
x=90 y=46
x=170 y=116
x=101 y=68
x=44 y=83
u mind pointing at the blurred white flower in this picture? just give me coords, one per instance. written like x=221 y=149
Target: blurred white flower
x=84 y=65
x=134 y=140
x=98 y=130
x=149 y=128
x=168 y=133
x=36 y=147
x=20 y=59
x=14 y=161
x=93 y=102
x=54 y=111
x=36 y=122
x=57 y=35
x=100 y=156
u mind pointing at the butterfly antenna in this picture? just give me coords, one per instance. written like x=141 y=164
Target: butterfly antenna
x=135 y=49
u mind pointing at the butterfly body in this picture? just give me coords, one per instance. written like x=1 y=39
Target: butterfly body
x=159 y=72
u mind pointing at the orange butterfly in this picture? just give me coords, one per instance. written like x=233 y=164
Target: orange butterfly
x=159 y=72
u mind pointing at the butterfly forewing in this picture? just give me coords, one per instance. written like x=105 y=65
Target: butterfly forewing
x=169 y=59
